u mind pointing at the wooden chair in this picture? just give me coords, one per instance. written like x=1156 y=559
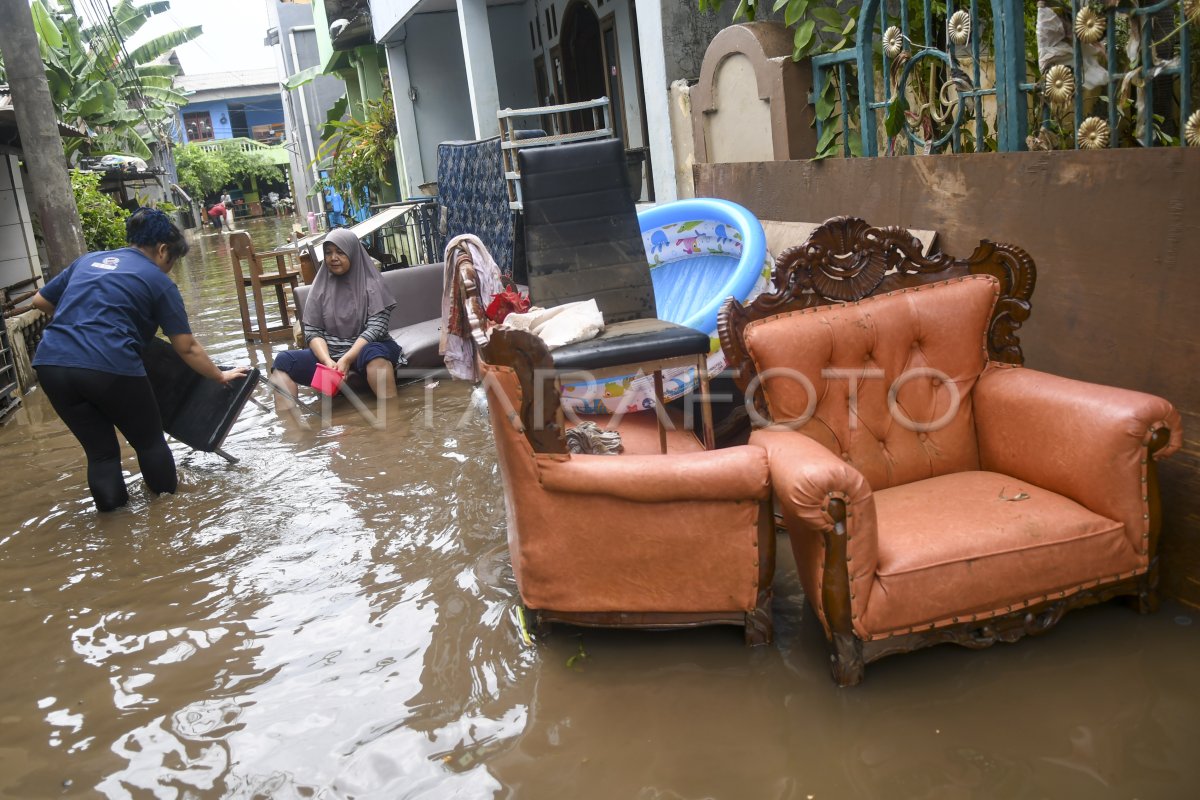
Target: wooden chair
x=248 y=272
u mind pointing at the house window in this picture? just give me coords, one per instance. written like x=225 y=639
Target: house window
x=268 y=134
x=198 y=126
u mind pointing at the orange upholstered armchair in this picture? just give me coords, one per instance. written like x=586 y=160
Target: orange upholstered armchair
x=933 y=489
x=639 y=539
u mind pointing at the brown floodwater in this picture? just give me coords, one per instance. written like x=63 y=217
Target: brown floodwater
x=334 y=616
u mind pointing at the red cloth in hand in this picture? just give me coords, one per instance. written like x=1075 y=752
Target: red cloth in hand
x=510 y=301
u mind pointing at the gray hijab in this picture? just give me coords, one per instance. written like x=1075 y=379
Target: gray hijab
x=340 y=304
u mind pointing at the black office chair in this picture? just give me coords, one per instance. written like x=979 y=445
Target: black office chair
x=582 y=241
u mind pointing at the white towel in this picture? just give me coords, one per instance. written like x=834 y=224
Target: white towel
x=561 y=325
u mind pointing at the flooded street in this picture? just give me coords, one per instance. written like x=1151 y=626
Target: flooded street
x=334 y=616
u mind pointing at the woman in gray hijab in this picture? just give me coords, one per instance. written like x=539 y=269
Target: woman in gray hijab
x=345 y=322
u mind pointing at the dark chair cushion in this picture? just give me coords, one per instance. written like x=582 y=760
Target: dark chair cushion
x=582 y=238
x=194 y=410
x=631 y=342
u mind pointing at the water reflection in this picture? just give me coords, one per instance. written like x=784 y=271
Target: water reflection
x=332 y=617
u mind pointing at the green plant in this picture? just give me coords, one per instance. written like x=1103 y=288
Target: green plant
x=201 y=171
x=248 y=165
x=820 y=27
x=117 y=93
x=103 y=220
x=204 y=170
x=359 y=153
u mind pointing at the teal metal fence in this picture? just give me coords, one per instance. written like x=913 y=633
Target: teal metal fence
x=931 y=76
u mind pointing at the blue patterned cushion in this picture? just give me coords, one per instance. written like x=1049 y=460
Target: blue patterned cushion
x=474 y=194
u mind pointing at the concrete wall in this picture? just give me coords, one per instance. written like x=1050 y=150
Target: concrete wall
x=439 y=75
x=18 y=250
x=510 y=51
x=386 y=16
x=687 y=32
x=1115 y=236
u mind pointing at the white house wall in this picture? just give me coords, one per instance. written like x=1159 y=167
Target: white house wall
x=510 y=47
x=304 y=109
x=438 y=76
x=18 y=252
x=428 y=50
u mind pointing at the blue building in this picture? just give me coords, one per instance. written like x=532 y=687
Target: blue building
x=244 y=107
x=231 y=105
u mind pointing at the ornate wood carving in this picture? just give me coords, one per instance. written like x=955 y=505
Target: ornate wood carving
x=539 y=409
x=846 y=260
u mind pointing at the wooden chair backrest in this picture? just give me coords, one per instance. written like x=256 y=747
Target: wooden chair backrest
x=845 y=260
x=241 y=249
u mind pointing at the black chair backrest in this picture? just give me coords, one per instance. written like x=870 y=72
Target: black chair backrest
x=582 y=238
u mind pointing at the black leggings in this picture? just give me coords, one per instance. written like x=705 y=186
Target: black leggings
x=91 y=403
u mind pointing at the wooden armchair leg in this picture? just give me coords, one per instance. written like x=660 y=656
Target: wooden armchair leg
x=760 y=629
x=1146 y=600
x=846 y=660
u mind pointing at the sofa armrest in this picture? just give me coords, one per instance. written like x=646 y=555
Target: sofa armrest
x=735 y=473
x=820 y=496
x=1082 y=440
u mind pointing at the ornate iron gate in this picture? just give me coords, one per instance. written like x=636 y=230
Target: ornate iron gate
x=938 y=77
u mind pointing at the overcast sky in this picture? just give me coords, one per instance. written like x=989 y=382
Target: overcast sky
x=233 y=34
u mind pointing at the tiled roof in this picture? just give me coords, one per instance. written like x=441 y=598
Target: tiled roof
x=210 y=81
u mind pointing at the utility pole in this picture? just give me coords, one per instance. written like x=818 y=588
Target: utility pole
x=41 y=143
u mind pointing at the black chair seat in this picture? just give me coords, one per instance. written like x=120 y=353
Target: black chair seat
x=194 y=410
x=632 y=342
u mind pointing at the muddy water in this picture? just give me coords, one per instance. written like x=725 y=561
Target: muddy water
x=333 y=616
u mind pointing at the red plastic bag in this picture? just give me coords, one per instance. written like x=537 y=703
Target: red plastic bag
x=510 y=301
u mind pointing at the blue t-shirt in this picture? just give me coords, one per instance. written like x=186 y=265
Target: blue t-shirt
x=107 y=305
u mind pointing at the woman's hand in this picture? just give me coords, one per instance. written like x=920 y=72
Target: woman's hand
x=344 y=364
x=230 y=375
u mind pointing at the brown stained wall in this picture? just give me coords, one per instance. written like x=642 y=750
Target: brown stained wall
x=1116 y=238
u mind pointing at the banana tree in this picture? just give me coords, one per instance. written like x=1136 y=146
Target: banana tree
x=97 y=83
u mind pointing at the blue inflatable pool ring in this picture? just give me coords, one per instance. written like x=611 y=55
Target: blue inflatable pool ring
x=700 y=251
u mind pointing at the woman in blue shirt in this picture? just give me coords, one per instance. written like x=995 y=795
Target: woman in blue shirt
x=106 y=306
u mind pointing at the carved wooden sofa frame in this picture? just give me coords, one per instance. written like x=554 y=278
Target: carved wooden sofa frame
x=847 y=260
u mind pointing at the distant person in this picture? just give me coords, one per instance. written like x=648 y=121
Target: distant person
x=346 y=320
x=227 y=201
x=106 y=306
x=216 y=213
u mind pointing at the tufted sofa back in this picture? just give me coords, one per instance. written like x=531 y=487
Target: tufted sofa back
x=884 y=382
